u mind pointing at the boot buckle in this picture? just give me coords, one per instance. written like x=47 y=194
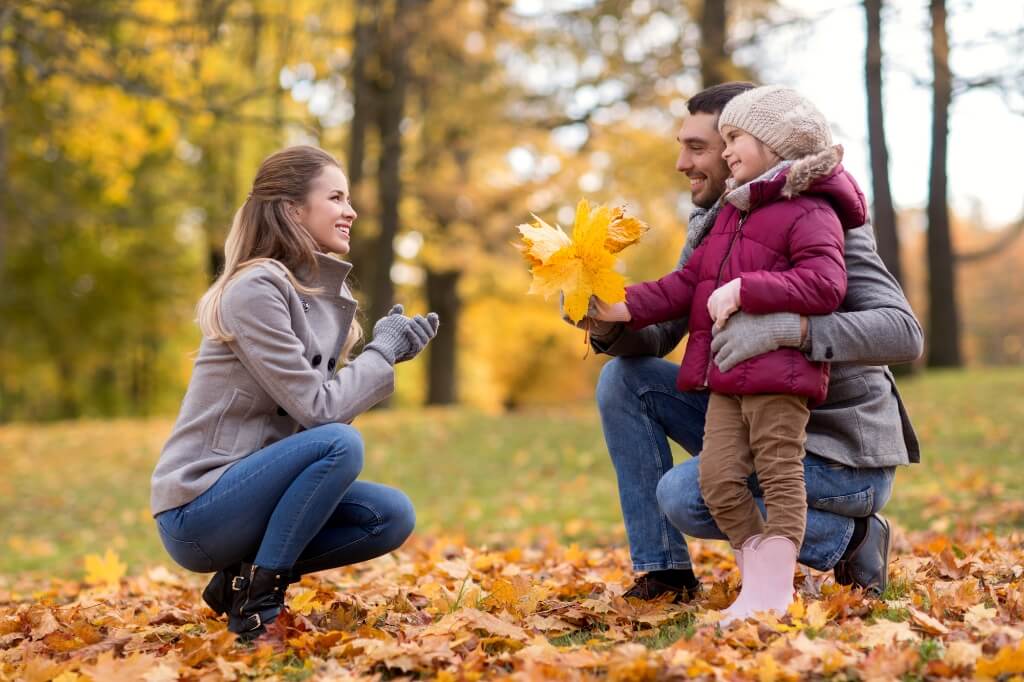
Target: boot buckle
x=238 y=583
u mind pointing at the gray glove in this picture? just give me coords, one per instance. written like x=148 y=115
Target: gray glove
x=598 y=328
x=399 y=338
x=745 y=336
x=389 y=337
x=418 y=334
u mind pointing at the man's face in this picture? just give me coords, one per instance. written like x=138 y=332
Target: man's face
x=700 y=158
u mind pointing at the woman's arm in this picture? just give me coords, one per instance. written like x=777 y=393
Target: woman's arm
x=255 y=312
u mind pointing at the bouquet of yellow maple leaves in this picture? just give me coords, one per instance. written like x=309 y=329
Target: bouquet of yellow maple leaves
x=584 y=264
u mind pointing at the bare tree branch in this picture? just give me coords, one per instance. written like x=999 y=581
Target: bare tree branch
x=1004 y=241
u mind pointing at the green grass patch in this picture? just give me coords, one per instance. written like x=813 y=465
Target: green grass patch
x=898 y=588
x=896 y=614
x=579 y=637
x=670 y=633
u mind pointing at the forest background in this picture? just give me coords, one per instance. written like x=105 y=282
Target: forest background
x=131 y=129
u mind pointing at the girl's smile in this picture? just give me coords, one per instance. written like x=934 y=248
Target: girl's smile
x=746 y=156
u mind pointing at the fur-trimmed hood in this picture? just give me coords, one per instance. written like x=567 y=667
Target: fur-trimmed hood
x=821 y=175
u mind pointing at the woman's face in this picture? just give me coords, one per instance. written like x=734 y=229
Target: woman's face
x=746 y=155
x=328 y=214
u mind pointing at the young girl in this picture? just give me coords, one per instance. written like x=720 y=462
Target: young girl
x=776 y=246
x=257 y=481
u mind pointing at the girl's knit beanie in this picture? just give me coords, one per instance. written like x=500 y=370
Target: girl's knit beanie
x=780 y=117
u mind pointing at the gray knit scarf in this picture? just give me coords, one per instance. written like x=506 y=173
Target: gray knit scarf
x=701 y=222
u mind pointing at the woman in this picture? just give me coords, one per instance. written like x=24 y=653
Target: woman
x=257 y=481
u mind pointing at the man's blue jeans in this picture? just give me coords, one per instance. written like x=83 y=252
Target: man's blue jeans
x=295 y=505
x=641 y=408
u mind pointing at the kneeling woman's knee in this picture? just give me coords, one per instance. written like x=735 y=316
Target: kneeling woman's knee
x=679 y=498
x=346 y=442
x=400 y=519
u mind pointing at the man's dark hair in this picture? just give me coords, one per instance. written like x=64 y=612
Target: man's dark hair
x=712 y=100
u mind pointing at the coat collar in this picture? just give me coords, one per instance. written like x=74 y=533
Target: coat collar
x=787 y=179
x=750 y=194
x=332 y=274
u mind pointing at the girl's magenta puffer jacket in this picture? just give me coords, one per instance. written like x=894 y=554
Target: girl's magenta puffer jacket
x=787 y=249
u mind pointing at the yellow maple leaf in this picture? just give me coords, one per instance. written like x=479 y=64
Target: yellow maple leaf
x=584 y=266
x=1009 y=661
x=503 y=594
x=817 y=615
x=108 y=569
x=541 y=241
x=304 y=602
x=623 y=230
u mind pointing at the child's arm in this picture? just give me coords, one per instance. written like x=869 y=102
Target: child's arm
x=815 y=285
x=663 y=299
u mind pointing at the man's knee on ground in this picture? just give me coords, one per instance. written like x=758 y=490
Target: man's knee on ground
x=720 y=486
x=678 y=495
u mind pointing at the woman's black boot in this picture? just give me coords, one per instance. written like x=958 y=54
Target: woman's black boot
x=217 y=594
x=258 y=596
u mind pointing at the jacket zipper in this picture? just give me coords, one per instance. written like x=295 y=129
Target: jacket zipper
x=718 y=282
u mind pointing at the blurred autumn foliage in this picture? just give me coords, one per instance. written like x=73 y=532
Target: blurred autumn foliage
x=130 y=130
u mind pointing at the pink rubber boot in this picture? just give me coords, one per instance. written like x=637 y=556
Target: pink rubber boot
x=739 y=610
x=769 y=573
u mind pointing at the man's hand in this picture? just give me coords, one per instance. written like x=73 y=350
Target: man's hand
x=746 y=336
x=609 y=312
x=724 y=301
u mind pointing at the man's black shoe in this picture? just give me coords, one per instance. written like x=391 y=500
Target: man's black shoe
x=648 y=588
x=867 y=565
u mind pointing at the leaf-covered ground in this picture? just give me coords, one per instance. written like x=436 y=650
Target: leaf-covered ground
x=517 y=564
x=441 y=609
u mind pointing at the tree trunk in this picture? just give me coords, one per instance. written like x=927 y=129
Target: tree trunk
x=943 y=317
x=886 y=231
x=364 y=108
x=714 y=58
x=443 y=298
x=362 y=103
x=392 y=89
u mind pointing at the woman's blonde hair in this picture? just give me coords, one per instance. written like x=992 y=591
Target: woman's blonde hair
x=264 y=230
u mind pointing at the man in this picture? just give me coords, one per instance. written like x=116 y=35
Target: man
x=855 y=439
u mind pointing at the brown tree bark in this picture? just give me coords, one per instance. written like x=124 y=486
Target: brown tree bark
x=392 y=86
x=943 y=313
x=714 y=58
x=364 y=112
x=884 y=219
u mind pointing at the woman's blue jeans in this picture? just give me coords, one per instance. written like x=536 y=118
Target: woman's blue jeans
x=295 y=505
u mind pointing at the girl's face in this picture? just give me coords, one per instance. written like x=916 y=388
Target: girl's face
x=746 y=156
x=328 y=214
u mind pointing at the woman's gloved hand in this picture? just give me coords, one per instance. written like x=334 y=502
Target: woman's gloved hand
x=399 y=338
x=418 y=334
